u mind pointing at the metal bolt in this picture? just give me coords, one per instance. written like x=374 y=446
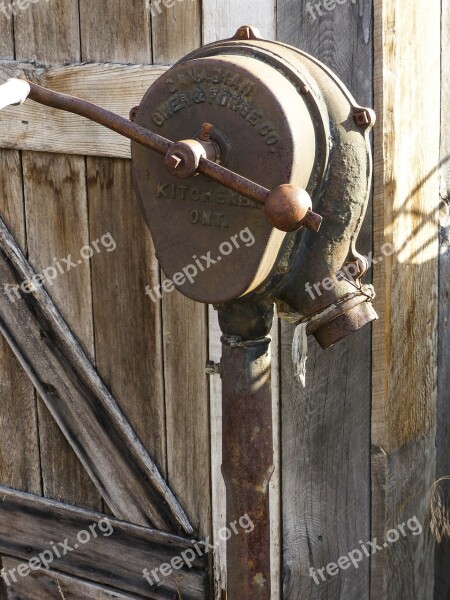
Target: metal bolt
x=362 y=118
x=212 y=368
x=133 y=113
x=312 y=221
x=205 y=134
x=360 y=265
x=244 y=33
x=247 y=33
x=174 y=161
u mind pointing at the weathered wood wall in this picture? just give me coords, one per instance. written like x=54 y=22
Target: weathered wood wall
x=407 y=53
x=326 y=426
x=350 y=469
x=144 y=352
x=115 y=557
x=442 y=589
x=69 y=201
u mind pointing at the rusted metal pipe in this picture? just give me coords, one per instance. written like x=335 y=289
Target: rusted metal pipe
x=247 y=463
x=145 y=137
x=99 y=115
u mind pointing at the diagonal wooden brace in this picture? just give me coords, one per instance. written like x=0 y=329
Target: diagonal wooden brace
x=89 y=417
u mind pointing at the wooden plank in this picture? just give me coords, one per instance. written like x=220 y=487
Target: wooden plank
x=187 y=410
x=55 y=199
x=56 y=218
x=176 y=29
x=115 y=32
x=275 y=482
x=35 y=127
x=11 y=195
x=405 y=340
x=128 y=336
x=222 y=18
x=40 y=585
x=83 y=408
x=29 y=525
x=48 y=32
x=218 y=490
x=19 y=445
x=442 y=572
x=185 y=331
x=326 y=426
x=20 y=463
x=6 y=39
x=325 y=477
x=44 y=177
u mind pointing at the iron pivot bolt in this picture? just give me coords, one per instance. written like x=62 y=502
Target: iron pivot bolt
x=287 y=207
x=183 y=158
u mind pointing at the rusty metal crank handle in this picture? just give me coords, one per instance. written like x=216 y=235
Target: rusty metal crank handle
x=287 y=207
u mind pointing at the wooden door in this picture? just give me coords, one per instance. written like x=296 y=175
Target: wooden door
x=90 y=451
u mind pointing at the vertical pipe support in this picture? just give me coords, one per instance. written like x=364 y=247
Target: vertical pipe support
x=247 y=462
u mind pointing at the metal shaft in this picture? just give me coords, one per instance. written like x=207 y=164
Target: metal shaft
x=100 y=115
x=247 y=463
x=287 y=215
x=146 y=138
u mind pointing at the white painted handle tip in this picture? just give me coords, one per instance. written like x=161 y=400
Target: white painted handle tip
x=14 y=91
